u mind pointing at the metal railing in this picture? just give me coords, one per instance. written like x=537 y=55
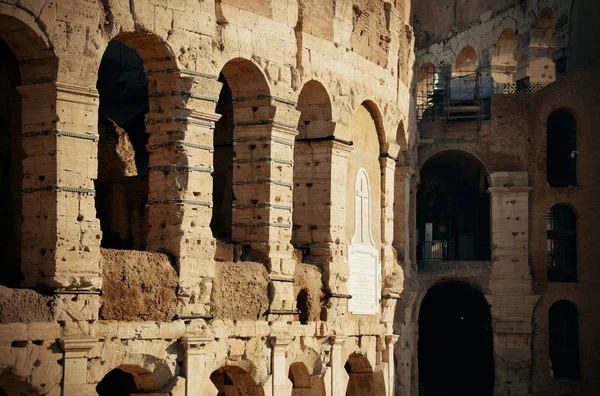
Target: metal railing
x=453 y=250
x=523 y=88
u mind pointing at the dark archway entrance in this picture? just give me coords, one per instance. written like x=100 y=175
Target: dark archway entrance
x=453 y=209
x=456 y=356
x=11 y=169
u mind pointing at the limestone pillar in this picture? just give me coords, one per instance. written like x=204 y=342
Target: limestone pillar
x=76 y=349
x=402 y=189
x=181 y=125
x=388 y=166
x=61 y=235
x=512 y=299
x=339 y=376
x=336 y=268
x=388 y=357
x=197 y=379
x=281 y=384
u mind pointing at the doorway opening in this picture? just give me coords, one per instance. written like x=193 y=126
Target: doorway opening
x=455 y=348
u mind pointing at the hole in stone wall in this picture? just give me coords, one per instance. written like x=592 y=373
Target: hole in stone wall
x=223 y=165
x=122 y=184
x=116 y=383
x=11 y=169
x=303 y=305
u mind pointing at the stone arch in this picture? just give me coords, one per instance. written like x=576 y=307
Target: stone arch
x=455 y=341
x=244 y=102
x=312 y=149
x=26 y=59
x=377 y=116
x=475 y=157
x=122 y=186
x=234 y=381
x=147 y=372
x=30 y=45
x=303 y=384
x=129 y=378
x=466 y=61
x=363 y=380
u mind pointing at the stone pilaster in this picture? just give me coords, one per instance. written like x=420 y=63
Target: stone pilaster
x=388 y=166
x=281 y=384
x=388 y=357
x=181 y=125
x=197 y=379
x=512 y=299
x=402 y=188
x=339 y=376
x=336 y=267
x=76 y=349
x=61 y=243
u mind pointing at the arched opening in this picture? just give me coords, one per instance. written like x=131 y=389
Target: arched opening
x=455 y=348
x=563 y=332
x=504 y=62
x=234 y=381
x=561 y=235
x=122 y=183
x=453 y=209
x=362 y=379
x=11 y=168
x=312 y=191
x=128 y=378
x=223 y=165
x=303 y=384
x=239 y=154
x=466 y=61
x=116 y=383
x=363 y=210
x=561 y=149
x=25 y=59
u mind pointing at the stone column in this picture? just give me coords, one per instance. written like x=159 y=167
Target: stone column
x=61 y=243
x=181 y=125
x=281 y=384
x=388 y=166
x=388 y=357
x=402 y=188
x=197 y=379
x=512 y=299
x=339 y=376
x=336 y=268
x=76 y=350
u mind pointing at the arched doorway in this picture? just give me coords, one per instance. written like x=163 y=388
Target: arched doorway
x=122 y=183
x=303 y=384
x=453 y=209
x=11 y=168
x=455 y=348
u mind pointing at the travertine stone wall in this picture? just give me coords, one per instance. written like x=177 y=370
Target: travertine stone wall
x=267 y=51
